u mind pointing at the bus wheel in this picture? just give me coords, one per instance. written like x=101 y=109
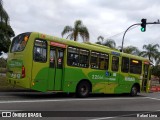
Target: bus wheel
x=83 y=89
x=134 y=91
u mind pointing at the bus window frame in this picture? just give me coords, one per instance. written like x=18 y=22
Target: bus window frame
x=46 y=50
x=136 y=66
x=128 y=71
x=117 y=65
x=99 y=56
x=79 y=48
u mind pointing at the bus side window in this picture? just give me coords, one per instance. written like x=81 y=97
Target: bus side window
x=94 y=60
x=83 y=58
x=40 y=51
x=115 y=63
x=125 y=65
x=103 y=61
x=73 y=56
x=135 y=66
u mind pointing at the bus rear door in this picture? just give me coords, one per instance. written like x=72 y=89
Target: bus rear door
x=55 y=75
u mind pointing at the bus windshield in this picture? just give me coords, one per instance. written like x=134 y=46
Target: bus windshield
x=19 y=42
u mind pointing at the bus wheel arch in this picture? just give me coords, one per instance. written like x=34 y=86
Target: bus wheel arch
x=83 y=88
x=135 y=89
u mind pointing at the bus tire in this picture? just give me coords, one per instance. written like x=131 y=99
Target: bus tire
x=83 y=89
x=134 y=91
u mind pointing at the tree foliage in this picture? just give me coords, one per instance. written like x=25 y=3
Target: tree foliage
x=6 y=32
x=78 y=30
x=150 y=51
x=156 y=71
x=100 y=40
x=108 y=42
x=131 y=50
x=3 y=14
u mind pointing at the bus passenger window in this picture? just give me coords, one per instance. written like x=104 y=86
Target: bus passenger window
x=73 y=56
x=103 y=61
x=40 y=51
x=83 y=58
x=78 y=57
x=135 y=66
x=94 y=60
x=115 y=63
x=125 y=65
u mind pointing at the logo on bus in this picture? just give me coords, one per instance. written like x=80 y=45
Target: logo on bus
x=129 y=79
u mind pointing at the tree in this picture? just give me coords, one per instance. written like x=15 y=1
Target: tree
x=110 y=43
x=78 y=30
x=3 y=14
x=156 y=71
x=131 y=50
x=100 y=40
x=6 y=31
x=150 y=51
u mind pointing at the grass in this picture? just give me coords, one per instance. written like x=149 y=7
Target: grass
x=3 y=83
x=5 y=86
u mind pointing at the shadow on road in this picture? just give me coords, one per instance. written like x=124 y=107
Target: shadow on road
x=30 y=94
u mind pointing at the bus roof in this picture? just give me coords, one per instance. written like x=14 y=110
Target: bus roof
x=87 y=45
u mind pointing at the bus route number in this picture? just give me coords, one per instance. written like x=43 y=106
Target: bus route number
x=97 y=77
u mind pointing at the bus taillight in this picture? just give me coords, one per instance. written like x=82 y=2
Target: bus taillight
x=23 y=72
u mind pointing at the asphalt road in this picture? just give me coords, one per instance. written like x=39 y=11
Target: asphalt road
x=96 y=107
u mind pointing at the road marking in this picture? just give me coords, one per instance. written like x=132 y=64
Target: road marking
x=153 y=98
x=69 y=100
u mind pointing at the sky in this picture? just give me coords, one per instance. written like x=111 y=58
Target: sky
x=108 y=18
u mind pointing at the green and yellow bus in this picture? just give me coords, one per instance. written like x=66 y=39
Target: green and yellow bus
x=50 y=64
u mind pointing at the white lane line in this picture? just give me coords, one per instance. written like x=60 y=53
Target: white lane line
x=105 y=118
x=153 y=98
x=69 y=100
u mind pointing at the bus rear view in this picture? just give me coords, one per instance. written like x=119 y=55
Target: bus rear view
x=17 y=61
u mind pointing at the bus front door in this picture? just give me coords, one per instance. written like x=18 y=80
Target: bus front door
x=55 y=69
x=145 y=77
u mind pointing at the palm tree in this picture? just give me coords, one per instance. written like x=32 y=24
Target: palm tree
x=100 y=40
x=150 y=51
x=110 y=43
x=78 y=30
x=131 y=50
